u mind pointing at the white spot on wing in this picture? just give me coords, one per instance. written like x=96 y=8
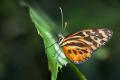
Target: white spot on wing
x=85 y=34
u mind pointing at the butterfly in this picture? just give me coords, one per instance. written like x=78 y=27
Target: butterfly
x=78 y=47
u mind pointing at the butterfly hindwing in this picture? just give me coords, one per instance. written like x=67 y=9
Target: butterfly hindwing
x=80 y=45
x=77 y=52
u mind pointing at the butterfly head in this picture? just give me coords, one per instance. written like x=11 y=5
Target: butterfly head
x=61 y=37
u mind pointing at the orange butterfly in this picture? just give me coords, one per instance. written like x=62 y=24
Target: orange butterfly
x=79 y=46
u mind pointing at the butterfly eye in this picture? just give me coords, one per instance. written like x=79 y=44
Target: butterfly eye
x=60 y=39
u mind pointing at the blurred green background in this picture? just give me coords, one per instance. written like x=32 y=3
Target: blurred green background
x=22 y=53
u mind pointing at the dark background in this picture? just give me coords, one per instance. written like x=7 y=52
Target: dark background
x=22 y=54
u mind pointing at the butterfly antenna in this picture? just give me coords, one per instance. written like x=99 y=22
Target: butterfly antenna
x=61 y=16
x=65 y=26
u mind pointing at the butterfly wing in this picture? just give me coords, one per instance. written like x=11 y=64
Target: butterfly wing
x=80 y=45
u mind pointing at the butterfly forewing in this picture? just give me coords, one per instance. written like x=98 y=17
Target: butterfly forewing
x=80 y=45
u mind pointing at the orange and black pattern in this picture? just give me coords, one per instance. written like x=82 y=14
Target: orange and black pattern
x=79 y=46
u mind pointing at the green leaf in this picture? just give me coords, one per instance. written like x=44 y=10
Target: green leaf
x=45 y=28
